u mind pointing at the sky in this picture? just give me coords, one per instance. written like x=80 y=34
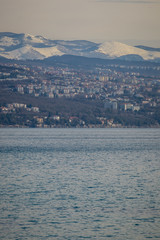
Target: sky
x=128 y=21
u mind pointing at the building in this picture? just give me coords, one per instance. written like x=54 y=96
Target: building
x=113 y=105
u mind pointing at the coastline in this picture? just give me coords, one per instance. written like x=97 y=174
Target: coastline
x=80 y=127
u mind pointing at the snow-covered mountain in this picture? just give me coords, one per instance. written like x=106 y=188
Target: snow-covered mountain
x=25 y=46
x=117 y=50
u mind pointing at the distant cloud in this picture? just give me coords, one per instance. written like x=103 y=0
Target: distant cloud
x=131 y=1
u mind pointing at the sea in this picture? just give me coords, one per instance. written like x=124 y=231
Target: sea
x=79 y=184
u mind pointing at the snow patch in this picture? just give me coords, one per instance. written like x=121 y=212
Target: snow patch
x=50 y=51
x=33 y=39
x=8 y=41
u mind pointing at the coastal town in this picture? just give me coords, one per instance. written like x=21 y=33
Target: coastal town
x=116 y=95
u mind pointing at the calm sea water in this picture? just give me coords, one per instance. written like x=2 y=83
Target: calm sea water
x=80 y=183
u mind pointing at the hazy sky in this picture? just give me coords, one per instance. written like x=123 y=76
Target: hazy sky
x=130 y=21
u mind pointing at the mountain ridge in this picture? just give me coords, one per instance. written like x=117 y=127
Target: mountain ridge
x=22 y=46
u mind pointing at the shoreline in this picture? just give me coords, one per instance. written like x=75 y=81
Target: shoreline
x=77 y=127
